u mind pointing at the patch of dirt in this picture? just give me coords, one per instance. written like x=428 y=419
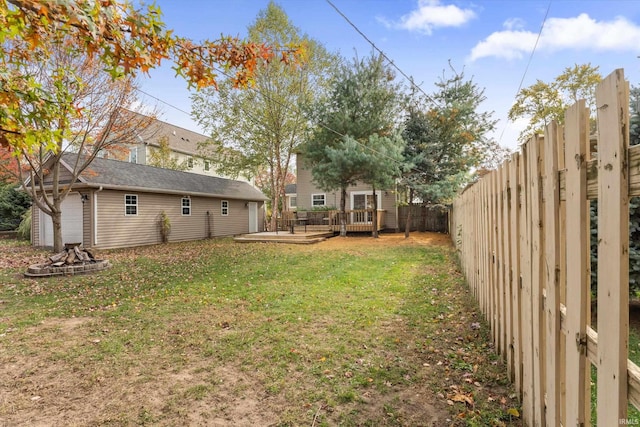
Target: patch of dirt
x=363 y=241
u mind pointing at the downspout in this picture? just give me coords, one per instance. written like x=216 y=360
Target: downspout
x=95 y=216
x=396 y=208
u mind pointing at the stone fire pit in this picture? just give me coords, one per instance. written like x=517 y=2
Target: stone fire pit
x=73 y=260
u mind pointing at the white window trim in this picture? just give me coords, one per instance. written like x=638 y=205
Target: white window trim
x=222 y=208
x=182 y=206
x=324 y=196
x=296 y=196
x=137 y=205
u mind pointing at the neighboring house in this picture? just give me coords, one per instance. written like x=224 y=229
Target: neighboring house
x=183 y=143
x=359 y=197
x=117 y=204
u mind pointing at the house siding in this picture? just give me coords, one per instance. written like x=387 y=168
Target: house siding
x=306 y=188
x=115 y=229
x=35 y=225
x=87 y=220
x=65 y=176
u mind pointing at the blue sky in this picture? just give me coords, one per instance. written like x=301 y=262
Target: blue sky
x=491 y=40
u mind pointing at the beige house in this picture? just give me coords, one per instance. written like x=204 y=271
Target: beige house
x=183 y=144
x=359 y=203
x=118 y=204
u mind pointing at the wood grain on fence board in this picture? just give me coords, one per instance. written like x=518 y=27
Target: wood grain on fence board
x=551 y=269
x=515 y=270
x=613 y=248
x=525 y=288
x=576 y=127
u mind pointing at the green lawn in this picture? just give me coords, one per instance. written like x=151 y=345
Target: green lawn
x=351 y=331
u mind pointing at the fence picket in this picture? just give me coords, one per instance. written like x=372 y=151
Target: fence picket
x=552 y=274
x=515 y=270
x=613 y=248
x=525 y=288
x=576 y=130
x=536 y=279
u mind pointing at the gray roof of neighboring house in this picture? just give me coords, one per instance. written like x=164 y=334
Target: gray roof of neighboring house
x=178 y=138
x=119 y=175
x=290 y=189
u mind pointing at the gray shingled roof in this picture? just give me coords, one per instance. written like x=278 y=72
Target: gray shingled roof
x=115 y=174
x=290 y=189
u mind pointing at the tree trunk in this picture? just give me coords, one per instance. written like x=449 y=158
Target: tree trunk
x=343 y=214
x=407 y=226
x=56 y=219
x=374 y=218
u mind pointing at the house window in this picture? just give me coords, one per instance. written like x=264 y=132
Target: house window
x=190 y=162
x=318 y=199
x=133 y=155
x=224 y=207
x=186 y=206
x=293 y=202
x=131 y=204
x=207 y=165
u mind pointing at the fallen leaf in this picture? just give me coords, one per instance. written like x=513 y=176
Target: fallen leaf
x=463 y=398
x=513 y=412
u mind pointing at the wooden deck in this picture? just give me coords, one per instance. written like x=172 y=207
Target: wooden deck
x=299 y=237
x=360 y=220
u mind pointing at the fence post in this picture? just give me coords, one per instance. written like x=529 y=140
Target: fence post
x=577 y=241
x=612 y=101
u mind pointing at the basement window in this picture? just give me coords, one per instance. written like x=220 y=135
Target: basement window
x=130 y=204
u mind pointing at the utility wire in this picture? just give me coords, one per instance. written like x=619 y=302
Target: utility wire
x=384 y=55
x=544 y=20
x=164 y=102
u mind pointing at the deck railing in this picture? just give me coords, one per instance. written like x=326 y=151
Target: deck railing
x=357 y=220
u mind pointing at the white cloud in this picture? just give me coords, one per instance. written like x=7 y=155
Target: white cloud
x=432 y=14
x=514 y=24
x=581 y=32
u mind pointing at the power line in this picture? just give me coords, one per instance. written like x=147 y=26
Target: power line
x=384 y=55
x=164 y=102
x=544 y=20
x=297 y=111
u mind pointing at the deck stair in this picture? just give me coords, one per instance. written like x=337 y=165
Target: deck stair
x=299 y=237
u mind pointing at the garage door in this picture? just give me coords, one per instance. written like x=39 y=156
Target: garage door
x=71 y=222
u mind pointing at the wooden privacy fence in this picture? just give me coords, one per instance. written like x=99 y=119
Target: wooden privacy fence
x=523 y=236
x=425 y=218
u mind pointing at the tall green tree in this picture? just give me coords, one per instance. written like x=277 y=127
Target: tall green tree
x=13 y=205
x=446 y=138
x=356 y=138
x=264 y=126
x=543 y=102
